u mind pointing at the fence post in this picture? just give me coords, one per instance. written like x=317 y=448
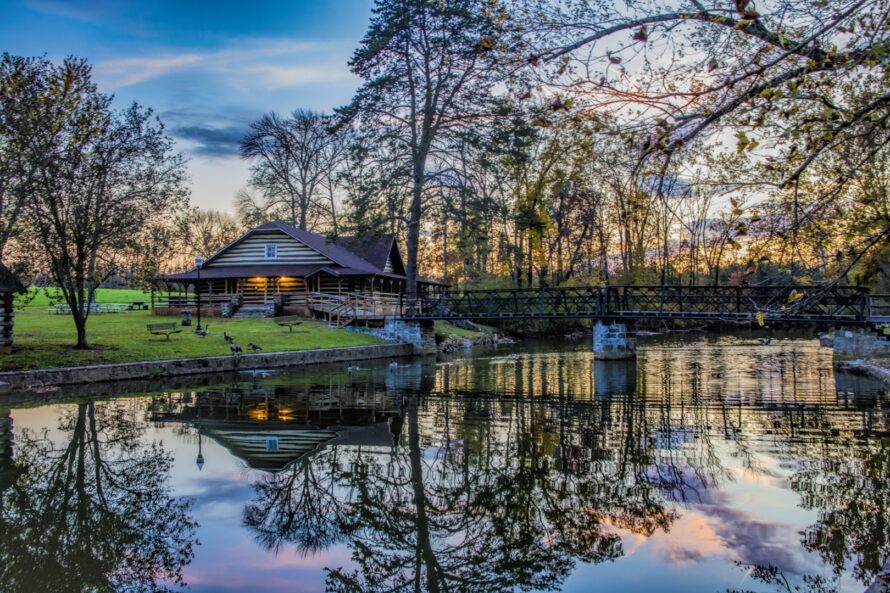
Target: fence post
x=864 y=313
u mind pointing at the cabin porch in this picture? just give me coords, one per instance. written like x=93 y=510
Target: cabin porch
x=340 y=300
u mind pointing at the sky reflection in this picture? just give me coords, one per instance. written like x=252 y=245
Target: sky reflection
x=533 y=469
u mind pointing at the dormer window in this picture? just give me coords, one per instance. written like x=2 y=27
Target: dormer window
x=271 y=251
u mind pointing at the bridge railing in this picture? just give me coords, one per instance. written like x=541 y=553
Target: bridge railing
x=879 y=308
x=816 y=303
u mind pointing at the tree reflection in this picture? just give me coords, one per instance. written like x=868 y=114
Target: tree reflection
x=496 y=493
x=94 y=513
x=486 y=506
x=848 y=485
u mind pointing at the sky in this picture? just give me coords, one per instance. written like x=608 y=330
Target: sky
x=207 y=68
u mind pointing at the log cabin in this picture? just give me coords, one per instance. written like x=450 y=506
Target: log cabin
x=278 y=269
x=9 y=286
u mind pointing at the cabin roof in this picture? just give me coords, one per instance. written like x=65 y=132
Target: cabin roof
x=344 y=252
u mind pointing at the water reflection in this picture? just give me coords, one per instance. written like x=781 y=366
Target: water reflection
x=534 y=469
x=92 y=512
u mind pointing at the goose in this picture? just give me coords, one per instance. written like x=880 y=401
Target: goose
x=353 y=369
x=228 y=338
x=393 y=365
x=254 y=348
x=235 y=348
x=765 y=341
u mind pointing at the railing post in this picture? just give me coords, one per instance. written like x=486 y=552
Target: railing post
x=863 y=305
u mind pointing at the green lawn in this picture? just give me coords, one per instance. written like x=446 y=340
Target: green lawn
x=445 y=329
x=37 y=298
x=43 y=340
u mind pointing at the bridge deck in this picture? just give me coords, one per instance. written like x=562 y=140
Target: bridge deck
x=797 y=304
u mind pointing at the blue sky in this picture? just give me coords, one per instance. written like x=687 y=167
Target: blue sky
x=207 y=68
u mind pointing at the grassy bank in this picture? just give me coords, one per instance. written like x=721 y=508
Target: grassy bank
x=40 y=298
x=445 y=330
x=43 y=340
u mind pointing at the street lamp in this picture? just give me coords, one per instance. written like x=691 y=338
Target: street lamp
x=199 y=261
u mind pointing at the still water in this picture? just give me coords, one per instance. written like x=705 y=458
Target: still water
x=710 y=464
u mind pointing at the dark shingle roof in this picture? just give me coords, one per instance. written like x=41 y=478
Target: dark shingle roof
x=373 y=248
x=352 y=256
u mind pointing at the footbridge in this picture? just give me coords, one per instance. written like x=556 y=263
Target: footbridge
x=831 y=305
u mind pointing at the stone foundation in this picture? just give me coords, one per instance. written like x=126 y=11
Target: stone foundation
x=610 y=342
x=420 y=334
x=191 y=366
x=849 y=343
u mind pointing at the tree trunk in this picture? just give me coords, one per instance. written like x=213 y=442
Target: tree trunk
x=413 y=241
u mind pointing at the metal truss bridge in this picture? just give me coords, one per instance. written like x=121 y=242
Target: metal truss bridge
x=835 y=305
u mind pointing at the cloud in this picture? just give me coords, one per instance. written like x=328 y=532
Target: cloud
x=254 y=62
x=83 y=10
x=282 y=77
x=211 y=142
x=128 y=71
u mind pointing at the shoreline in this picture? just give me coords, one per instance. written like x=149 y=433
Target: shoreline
x=157 y=369
x=866 y=368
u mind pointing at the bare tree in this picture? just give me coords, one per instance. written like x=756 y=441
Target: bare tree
x=293 y=159
x=204 y=232
x=101 y=177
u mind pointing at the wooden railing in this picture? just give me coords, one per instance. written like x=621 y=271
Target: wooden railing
x=879 y=308
x=346 y=308
x=189 y=301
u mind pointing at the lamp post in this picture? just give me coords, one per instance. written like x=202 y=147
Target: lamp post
x=199 y=261
x=200 y=459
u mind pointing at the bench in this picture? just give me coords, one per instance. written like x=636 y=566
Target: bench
x=163 y=329
x=288 y=320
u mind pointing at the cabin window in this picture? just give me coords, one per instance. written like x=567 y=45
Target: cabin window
x=272 y=444
x=271 y=251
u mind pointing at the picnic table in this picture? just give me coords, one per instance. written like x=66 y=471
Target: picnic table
x=97 y=308
x=163 y=329
x=289 y=321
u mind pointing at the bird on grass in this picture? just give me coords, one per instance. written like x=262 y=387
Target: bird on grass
x=235 y=348
x=203 y=332
x=765 y=341
x=254 y=348
x=228 y=338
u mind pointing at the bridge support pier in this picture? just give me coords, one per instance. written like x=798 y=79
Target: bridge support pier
x=610 y=342
x=420 y=334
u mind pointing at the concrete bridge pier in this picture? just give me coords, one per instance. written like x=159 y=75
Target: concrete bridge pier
x=611 y=342
x=420 y=334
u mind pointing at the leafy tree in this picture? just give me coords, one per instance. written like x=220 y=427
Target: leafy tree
x=428 y=72
x=21 y=83
x=101 y=177
x=796 y=84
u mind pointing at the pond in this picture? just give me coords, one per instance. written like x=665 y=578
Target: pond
x=709 y=464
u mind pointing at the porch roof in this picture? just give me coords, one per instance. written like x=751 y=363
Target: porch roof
x=277 y=271
x=260 y=271
x=271 y=271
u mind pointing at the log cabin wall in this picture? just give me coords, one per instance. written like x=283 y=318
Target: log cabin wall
x=6 y=322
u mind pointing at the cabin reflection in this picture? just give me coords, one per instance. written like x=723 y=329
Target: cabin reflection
x=270 y=422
